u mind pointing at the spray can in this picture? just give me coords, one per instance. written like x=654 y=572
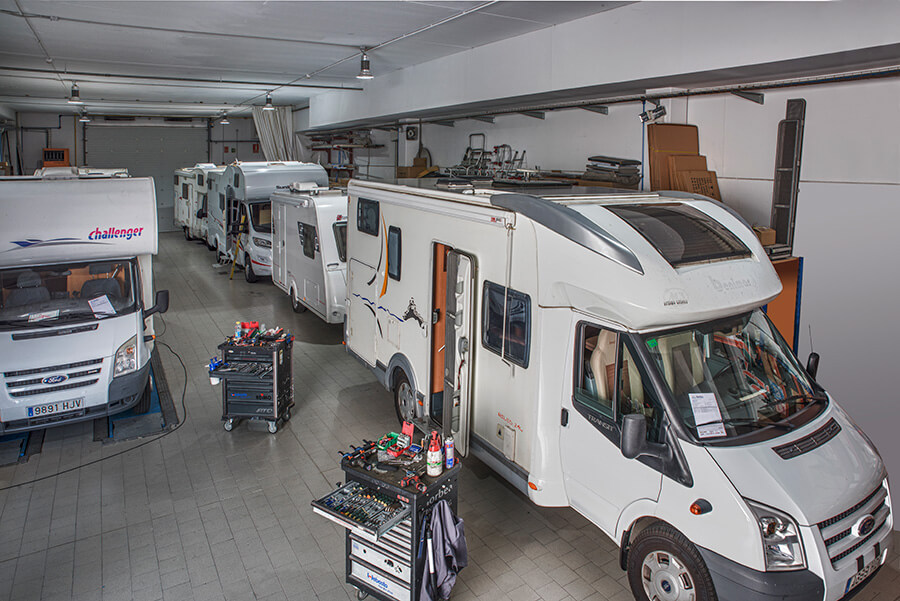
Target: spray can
x=237 y=331
x=449 y=458
x=433 y=459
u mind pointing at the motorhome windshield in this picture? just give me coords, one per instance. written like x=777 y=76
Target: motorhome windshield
x=733 y=377
x=261 y=216
x=37 y=296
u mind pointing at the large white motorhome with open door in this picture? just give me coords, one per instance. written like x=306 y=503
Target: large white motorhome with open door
x=244 y=197
x=309 y=246
x=611 y=353
x=76 y=289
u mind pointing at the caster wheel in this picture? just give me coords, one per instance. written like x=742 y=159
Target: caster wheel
x=229 y=424
x=361 y=594
x=273 y=427
x=287 y=416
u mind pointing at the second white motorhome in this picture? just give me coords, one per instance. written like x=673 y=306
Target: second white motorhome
x=309 y=240
x=611 y=353
x=185 y=182
x=198 y=222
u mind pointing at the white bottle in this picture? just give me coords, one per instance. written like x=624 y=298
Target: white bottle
x=434 y=460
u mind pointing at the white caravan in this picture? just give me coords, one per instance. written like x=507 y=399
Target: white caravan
x=198 y=224
x=610 y=353
x=185 y=182
x=244 y=191
x=309 y=240
x=216 y=237
x=76 y=289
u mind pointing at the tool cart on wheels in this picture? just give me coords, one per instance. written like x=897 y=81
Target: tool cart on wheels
x=384 y=523
x=257 y=380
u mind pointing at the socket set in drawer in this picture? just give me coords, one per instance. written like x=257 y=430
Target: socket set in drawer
x=362 y=509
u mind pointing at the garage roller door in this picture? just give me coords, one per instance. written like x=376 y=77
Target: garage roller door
x=148 y=151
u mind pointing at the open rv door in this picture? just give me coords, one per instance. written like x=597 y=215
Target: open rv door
x=459 y=329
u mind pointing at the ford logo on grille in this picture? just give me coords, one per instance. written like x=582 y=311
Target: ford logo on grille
x=55 y=379
x=864 y=526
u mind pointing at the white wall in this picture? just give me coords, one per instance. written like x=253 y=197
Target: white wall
x=68 y=135
x=239 y=138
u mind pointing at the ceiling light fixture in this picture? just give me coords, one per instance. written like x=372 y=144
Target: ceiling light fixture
x=224 y=120
x=74 y=98
x=364 y=67
x=84 y=118
x=652 y=115
x=268 y=106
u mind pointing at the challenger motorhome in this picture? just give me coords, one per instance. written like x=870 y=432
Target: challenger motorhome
x=309 y=239
x=611 y=352
x=244 y=192
x=76 y=299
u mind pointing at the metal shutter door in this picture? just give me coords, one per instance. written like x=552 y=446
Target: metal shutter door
x=148 y=151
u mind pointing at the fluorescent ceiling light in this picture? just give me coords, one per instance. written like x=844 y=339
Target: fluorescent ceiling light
x=364 y=67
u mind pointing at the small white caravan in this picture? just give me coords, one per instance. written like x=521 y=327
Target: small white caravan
x=244 y=191
x=76 y=299
x=198 y=215
x=611 y=353
x=185 y=182
x=309 y=240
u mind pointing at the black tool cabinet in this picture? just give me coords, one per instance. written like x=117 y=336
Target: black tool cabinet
x=256 y=382
x=385 y=563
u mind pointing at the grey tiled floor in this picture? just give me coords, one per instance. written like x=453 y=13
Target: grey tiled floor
x=208 y=515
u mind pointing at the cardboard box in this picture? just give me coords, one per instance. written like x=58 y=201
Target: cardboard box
x=666 y=139
x=766 y=235
x=684 y=162
x=700 y=182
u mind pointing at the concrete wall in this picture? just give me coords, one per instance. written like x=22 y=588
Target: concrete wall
x=235 y=141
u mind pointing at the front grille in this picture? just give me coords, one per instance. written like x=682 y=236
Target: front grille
x=40 y=370
x=837 y=531
x=70 y=375
x=810 y=442
x=69 y=386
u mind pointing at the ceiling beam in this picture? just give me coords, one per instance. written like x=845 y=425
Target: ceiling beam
x=756 y=97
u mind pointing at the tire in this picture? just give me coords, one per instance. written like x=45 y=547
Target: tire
x=208 y=245
x=228 y=425
x=404 y=399
x=287 y=415
x=664 y=564
x=249 y=274
x=296 y=305
x=143 y=405
x=273 y=427
x=187 y=234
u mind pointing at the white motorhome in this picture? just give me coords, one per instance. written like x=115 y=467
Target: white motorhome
x=85 y=172
x=309 y=240
x=244 y=198
x=198 y=214
x=76 y=289
x=216 y=237
x=185 y=182
x=611 y=353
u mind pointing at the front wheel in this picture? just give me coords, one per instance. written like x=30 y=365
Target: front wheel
x=249 y=274
x=664 y=564
x=404 y=399
x=296 y=304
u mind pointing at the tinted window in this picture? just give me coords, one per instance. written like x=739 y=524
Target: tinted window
x=221 y=202
x=681 y=233
x=394 y=252
x=237 y=180
x=199 y=179
x=308 y=239
x=185 y=190
x=507 y=332
x=367 y=216
x=340 y=238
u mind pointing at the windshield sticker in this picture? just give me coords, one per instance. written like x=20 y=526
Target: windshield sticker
x=101 y=306
x=652 y=343
x=43 y=315
x=706 y=414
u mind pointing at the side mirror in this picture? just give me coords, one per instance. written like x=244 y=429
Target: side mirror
x=201 y=213
x=812 y=365
x=162 y=304
x=634 y=435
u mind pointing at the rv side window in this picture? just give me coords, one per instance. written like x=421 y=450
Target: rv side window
x=308 y=239
x=367 y=216
x=634 y=397
x=203 y=201
x=199 y=179
x=340 y=238
x=507 y=333
x=237 y=180
x=394 y=253
x=176 y=181
x=222 y=202
x=595 y=368
x=185 y=191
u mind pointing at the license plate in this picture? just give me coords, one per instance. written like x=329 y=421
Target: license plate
x=863 y=574
x=57 y=407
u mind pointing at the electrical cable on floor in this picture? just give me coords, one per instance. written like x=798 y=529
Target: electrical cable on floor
x=146 y=442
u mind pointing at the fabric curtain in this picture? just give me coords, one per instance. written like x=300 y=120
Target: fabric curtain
x=276 y=133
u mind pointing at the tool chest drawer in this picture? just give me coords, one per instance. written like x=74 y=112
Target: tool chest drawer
x=362 y=510
x=382 y=557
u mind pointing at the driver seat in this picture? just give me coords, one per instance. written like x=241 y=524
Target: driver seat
x=29 y=290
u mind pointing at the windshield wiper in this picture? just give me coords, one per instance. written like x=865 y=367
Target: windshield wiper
x=755 y=423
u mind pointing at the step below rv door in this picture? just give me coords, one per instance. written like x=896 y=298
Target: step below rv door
x=458 y=348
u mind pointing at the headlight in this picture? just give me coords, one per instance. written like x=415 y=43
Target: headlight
x=780 y=538
x=126 y=358
x=262 y=242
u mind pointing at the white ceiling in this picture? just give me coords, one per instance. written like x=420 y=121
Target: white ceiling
x=196 y=58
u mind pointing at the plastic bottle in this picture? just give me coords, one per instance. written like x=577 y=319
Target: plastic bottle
x=433 y=459
x=237 y=331
x=449 y=455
